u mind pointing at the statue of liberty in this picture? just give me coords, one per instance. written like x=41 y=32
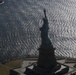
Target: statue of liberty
x=46 y=42
x=46 y=64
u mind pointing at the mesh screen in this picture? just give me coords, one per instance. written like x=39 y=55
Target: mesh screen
x=20 y=21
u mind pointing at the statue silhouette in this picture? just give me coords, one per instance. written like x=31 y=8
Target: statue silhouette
x=44 y=32
x=46 y=50
x=46 y=64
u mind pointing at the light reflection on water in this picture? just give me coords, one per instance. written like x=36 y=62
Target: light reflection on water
x=20 y=23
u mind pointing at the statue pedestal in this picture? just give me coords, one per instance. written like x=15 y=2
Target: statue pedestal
x=60 y=69
x=46 y=64
x=47 y=58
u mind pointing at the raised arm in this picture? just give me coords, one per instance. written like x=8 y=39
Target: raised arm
x=45 y=13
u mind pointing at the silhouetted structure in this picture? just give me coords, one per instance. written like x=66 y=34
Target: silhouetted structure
x=46 y=61
x=47 y=58
x=46 y=64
